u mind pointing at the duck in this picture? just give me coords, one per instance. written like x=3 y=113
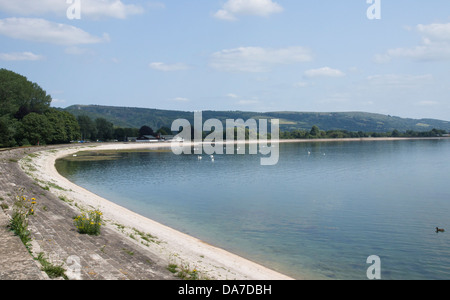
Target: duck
x=439 y=229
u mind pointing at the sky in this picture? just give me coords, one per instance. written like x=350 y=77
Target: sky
x=389 y=57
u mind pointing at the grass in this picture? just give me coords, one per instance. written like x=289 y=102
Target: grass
x=65 y=199
x=19 y=225
x=146 y=236
x=129 y=252
x=53 y=271
x=137 y=235
x=55 y=186
x=3 y=206
x=23 y=208
x=184 y=272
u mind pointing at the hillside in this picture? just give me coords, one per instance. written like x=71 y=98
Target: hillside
x=350 y=121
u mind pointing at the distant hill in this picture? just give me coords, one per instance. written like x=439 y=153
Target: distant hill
x=131 y=117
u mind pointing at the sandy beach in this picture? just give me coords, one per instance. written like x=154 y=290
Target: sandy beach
x=173 y=246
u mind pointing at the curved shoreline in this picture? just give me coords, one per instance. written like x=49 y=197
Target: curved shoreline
x=174 y=246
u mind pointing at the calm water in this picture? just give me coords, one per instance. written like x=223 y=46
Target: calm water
x=313 y=216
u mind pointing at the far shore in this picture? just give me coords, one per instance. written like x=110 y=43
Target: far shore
x=174 y=246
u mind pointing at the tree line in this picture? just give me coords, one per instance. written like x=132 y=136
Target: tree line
x=316 y=133
x=101 y=129
x=26 y=118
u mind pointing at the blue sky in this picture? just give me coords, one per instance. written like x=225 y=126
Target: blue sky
x=251 y=55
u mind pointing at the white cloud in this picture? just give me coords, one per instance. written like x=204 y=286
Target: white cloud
x=168 y=67
x=20 y=56
x=109 y=8
x=324 y=72
x=435 y=45
x=257 y=59
x=40 y=30
x=89 y=8
x=434 y=32
x=233 y=8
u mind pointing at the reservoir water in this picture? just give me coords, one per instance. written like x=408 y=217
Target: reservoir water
x=318 y=214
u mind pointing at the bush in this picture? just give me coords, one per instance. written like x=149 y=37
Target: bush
x=89 y=223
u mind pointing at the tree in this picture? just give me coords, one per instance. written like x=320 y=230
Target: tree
x=19 y=97
x=315 y=131
x=72 y=126
x=105 y=129
x=64 y=127
x=164 y=131
x=121 y=134
x=395 y=133
x=35 y=129
x=26 y=116
x=145 y=130
x=8 y=129
x=87 y=127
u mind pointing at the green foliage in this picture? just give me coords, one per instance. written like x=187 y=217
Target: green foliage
x=19 y=97
x=89 y=223
x=164 y=131
x=23 y=208
x=87 y=127
x=105 y=129
x=334 y=134
x=64 y=127
x=185 y=273
x=53 y=271
x=35 y=128
x=130 y=117
x=146 y=130
x=121 y=134
x=102 y=129
x=315 y=131
x=26 y=117
x=8 y=129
